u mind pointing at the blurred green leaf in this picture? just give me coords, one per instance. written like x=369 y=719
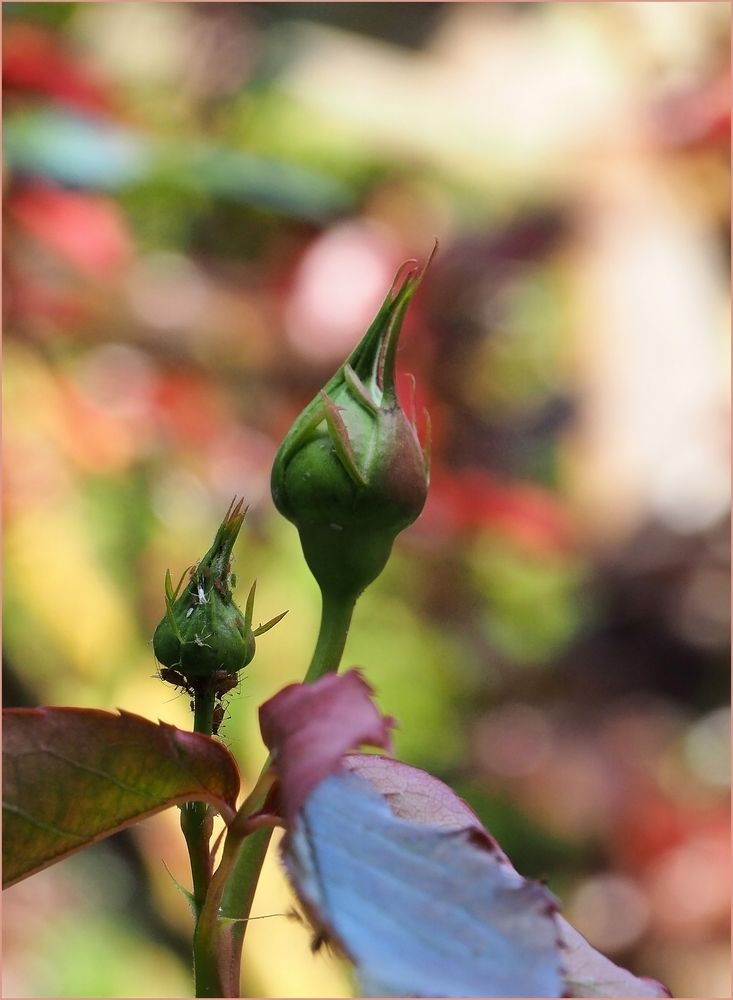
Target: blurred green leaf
x=73 y=776
x=55 y=14
x=75 y=150
x=86 y=152
x=535 y=604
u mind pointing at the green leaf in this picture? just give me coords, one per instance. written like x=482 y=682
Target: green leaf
x=73 y=776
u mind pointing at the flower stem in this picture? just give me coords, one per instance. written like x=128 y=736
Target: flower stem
x=195 y=816
x=238 y=893
x=336 y=612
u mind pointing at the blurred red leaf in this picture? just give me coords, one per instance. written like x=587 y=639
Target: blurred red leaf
x=310 y=727
x=87 y=231
x=92 y=438
x=30 y=297
x=698 y=118
x=73 y=776
x=190 y=409
x=467 y=500
x=33 y=60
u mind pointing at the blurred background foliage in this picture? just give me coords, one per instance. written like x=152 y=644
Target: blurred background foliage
x=204 y=204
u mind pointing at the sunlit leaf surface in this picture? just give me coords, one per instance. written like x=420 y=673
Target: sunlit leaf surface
x=421 y=910
x=73 y=776
x=419 y=797
x=398 y=873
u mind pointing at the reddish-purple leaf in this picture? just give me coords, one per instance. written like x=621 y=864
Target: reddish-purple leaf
x=421 y=909
x=588 y=973
x=309 y=727
x=72 y=776
x=414 y=794
x=419 y=797
x=400 y=874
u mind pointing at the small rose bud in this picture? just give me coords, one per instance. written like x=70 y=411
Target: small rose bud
x=351 y=473
x=203 y=632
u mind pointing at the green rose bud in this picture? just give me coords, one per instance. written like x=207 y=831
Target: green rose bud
x=203 y=633
x=351 y=473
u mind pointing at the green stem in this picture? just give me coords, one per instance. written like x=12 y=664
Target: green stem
x=196 y=821
x=203 y=706
x=215 y=944
x=336 y=612
x=238 y=893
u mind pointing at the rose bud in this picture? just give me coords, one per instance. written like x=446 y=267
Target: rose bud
x=203 y=632
x=351 y=473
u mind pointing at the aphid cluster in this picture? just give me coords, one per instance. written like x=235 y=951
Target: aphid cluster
x=221 y=683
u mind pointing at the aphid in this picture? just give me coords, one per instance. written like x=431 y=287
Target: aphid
x=319 y=938
x=317 y=941
x=201 y=595
x=224 y=682
x=171 y=676
x=199 y=639
x=217 y=719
